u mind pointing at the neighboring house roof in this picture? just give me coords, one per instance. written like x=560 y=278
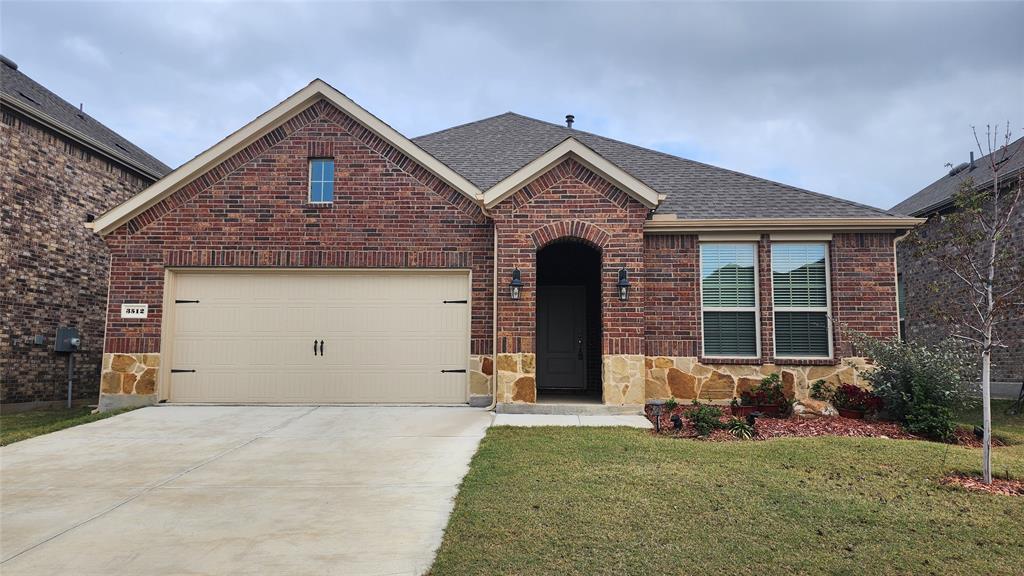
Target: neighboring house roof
x=25 y=94
x=489 y=150
x=939 y=193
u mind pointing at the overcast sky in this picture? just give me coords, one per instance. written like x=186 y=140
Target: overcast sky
x=865 y=101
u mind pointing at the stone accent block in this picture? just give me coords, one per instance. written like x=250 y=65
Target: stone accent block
x=685 y=378
x=480 y=369
x=624 y=379
x=134 y=374
x=516 y=377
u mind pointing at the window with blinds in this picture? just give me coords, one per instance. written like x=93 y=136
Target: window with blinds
x=729 y=300
x=800 y=295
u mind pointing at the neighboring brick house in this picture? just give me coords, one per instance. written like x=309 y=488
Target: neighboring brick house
x=927 y=287
x=316 y=255
x=58 y=167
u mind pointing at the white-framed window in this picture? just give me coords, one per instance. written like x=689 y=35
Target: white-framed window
x=729 y=300
x=801 y=294
x=321 y=180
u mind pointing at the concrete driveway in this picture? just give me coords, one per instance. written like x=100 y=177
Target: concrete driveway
x=237 y=490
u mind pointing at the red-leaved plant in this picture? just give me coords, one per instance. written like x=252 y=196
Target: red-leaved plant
x=850 y=397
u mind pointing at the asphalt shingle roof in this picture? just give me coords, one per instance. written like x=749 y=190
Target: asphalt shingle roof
x=938 y=193
x=487 y=151
x=16 y=85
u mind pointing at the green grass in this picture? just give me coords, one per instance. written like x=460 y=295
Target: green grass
x=23 y=425
x=621 y=501
x=1009 y=429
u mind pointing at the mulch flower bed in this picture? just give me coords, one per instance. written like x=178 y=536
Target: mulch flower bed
x=966 y=437
x=788 y=427
x=974 y=484
x=807 y=427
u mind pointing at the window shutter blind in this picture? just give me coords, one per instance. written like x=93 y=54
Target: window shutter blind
x=801 y=334
x=730 y=334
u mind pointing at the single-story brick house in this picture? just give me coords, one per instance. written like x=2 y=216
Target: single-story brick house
x=316 y=255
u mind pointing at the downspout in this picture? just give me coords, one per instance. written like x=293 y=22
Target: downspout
x=494 y=312
x=896 y=271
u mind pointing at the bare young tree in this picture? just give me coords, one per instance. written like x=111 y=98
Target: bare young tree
x=972 y=244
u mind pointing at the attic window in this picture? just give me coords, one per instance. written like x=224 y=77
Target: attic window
x=321 y=180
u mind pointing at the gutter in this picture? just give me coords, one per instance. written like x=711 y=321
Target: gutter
x=670 y=224
x=896 y=272
x=79 y=137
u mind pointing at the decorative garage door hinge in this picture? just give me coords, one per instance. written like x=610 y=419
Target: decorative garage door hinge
x=456 y=301
x=177 y=370
x=186 y=301
x=448 y=371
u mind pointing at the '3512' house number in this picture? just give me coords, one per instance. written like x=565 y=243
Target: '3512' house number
x=134 y=310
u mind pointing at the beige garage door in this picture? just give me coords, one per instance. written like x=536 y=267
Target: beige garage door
x=399 y=336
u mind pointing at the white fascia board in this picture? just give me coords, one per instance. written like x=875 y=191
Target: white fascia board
x=254 y=130
x=801 y=236
x=691 y=226
x=571 y=147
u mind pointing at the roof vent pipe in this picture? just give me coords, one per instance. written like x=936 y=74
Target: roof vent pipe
x=972 y=159
x=569 y=119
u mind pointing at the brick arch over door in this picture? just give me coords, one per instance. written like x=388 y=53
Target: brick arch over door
x=570 y=230
x=569 y=202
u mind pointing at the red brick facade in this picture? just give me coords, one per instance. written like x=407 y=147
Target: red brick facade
x=672 y=311
x=863 y=268
x=929 y=289
x=863 y=294
x=571 y=202
x=53 y=270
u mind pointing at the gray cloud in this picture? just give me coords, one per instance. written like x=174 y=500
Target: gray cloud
x=862 y=100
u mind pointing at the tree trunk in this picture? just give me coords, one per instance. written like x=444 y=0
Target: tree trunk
x=986 y=416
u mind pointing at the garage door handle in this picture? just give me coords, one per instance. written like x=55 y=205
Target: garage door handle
x=321 y=347
x=314 y=347
x=449 y=371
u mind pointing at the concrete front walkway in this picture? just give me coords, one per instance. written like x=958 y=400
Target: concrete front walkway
x=236 y=490
x=530 y=420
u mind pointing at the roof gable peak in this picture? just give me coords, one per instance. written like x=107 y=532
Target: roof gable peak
x=572 y=148
x=257 y=128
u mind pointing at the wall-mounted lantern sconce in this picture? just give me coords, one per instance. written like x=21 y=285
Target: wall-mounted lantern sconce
x=623 y=284
x=516 y=285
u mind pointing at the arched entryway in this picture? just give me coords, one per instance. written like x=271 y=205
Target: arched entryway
x=568 y=319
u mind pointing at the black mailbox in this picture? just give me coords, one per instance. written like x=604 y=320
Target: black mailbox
x=68 y=340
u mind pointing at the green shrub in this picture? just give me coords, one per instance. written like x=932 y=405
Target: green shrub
x=767 y=393
x=931 y=421
x=705 y=418
x=822 y=390
x=671 y=404
x=911 y=378
x=740 y=428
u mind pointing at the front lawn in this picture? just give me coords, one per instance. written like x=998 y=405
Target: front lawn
x=23 y=425
x=1009 y=429
x=622 y=501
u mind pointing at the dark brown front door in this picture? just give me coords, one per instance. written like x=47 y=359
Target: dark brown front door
x=561 y=337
